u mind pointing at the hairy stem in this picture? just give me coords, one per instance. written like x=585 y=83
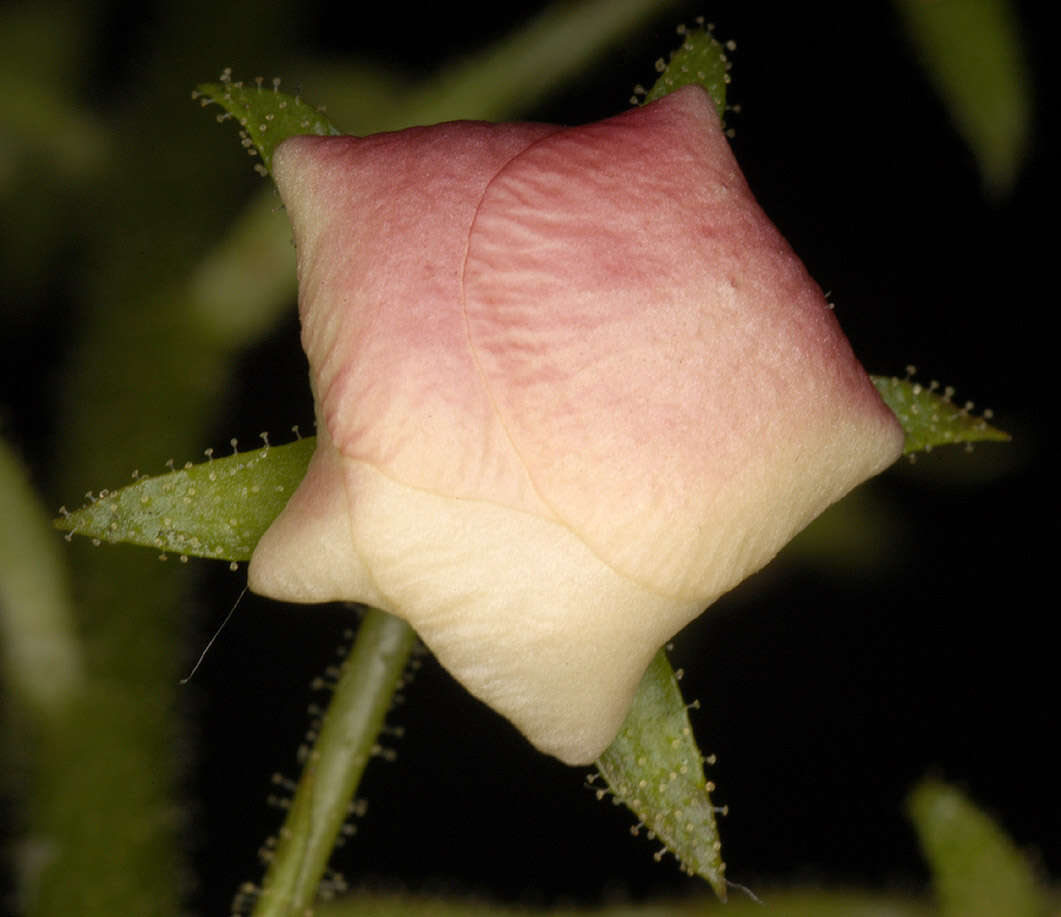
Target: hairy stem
x=334 y=767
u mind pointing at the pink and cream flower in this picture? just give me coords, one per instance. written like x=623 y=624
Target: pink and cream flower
x=571 y=386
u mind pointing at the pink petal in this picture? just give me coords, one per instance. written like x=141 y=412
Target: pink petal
x=382 y=225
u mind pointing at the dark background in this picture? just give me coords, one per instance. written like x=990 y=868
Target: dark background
x=921 y=643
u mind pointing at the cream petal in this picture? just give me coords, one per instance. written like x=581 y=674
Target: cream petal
x=308 y=554
x=557 y=643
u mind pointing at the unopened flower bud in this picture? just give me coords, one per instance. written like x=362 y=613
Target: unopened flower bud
x=571 y=386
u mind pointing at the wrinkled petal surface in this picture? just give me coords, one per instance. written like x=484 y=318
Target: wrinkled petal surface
x=571 y=386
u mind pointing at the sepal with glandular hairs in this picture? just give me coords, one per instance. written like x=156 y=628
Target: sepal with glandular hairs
x=266 y=116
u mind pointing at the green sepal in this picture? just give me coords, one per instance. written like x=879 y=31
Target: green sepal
x=655 y=768
x=218 y=509
x=930 y=418
x=699 y=61
x=266 y=116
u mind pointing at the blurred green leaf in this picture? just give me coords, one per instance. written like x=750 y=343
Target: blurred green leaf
x=242 y=288
x=42 y=657
x=976 y=869
x=42 y=56
x=972 y=51
x=509 y=77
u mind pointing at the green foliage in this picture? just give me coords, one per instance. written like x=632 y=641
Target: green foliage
x=266 y=116
x=977 y=871
x=508 y=78
x=42 y=663
x=972 y=51
x=655 y=768
x=932 y=419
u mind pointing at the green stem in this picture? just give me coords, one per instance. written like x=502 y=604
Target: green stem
x=333 y=770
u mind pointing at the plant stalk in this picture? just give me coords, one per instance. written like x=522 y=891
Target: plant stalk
x=333 y=769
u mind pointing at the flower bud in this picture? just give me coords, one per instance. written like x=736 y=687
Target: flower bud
x=571 y=385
